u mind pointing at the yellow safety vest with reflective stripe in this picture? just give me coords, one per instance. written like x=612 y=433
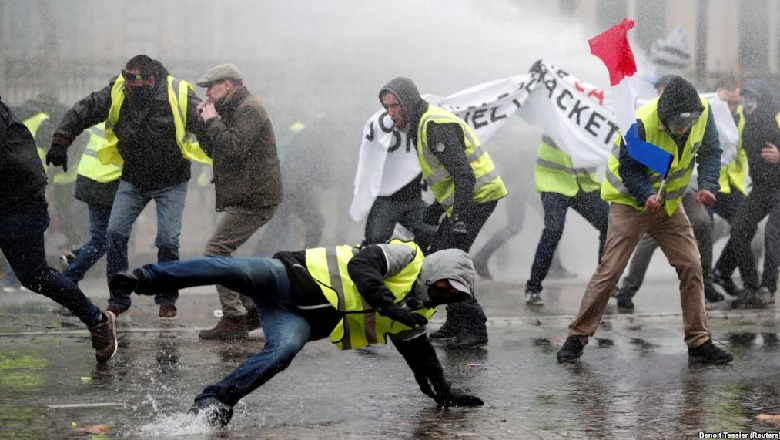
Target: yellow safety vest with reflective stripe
x=735 y=173
x=612 y=188
x=33 y=123
x=177 y=97
x=554 y=172
x=488 y=186
x=89 y=164
x=361 y=325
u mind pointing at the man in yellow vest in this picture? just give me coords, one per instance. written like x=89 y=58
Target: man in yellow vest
x=761 y=138
x=96 y=185
x=643 y=201
x=562 y=186
x=356 y=297
x=464 y=183
x=150 y=121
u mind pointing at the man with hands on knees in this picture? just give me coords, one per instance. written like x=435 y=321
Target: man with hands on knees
x=355 y=296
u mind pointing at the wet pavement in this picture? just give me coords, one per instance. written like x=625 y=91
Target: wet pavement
x=634 y=379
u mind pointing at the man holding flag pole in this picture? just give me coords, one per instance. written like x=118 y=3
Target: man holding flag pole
x=648 y=172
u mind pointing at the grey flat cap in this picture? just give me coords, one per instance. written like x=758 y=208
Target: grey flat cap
x=218 y=73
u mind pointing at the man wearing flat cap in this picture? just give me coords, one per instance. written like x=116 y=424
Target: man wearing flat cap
x=643 y=201
x=239 y=138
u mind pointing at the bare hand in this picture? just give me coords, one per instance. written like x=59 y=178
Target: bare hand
x=770 y=153
x=206 y=111
x=705 y=196
x=653 y=203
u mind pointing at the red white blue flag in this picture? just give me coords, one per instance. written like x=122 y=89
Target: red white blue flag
x=613 y=49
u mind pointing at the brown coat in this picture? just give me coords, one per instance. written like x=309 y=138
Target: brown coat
x=241 y=142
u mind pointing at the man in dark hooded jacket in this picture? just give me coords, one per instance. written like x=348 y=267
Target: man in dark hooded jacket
x=760 y=140
x=464 y=183
x=644 y=202
x=150 y=118
x=24 y=218
x=357 y=297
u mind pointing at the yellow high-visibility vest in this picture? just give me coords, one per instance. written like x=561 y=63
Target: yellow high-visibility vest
x=488 y=186
x=361 y=325
x=177 y=97
x=679 y=175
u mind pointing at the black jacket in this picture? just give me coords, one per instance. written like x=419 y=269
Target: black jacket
x=22 y=178
x=146 y=134
x=760 y=128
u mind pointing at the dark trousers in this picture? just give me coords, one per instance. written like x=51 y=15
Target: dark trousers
x=22 y=243
x=588 y=204
x=466 y=318
x=737 y=253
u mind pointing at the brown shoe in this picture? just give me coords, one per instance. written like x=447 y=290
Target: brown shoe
x=117 y=309
x=252 y=319
x=167 y=311
x=228 y=328
x=104 y=338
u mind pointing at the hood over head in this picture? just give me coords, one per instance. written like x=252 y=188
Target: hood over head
x=679 y=99
x=453 y=265
x=411 y=102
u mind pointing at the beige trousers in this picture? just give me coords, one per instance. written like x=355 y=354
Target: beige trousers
x=674 y=236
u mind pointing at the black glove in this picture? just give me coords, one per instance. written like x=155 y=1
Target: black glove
x=457 y=399
x=404 y=316
x=433 y=214
x=421 y=357
x=458 y=225
x=58 y=156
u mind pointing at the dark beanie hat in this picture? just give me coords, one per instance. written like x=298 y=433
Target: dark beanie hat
x=679 y=96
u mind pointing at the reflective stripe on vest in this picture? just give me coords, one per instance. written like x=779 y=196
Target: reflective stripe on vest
x=361 y=324
x=89 y=164
x=488 y=185
x=554 y=172
x=679 y=175
x=177 y=97
x=33 y=123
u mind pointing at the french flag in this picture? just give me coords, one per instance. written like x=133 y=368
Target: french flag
x=613 y=49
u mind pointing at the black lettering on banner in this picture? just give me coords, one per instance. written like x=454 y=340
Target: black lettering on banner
x=370 y=135
x=561 y=96
x=550 y=84
x=409 y=146
x=479 y=114
x=494 y=117
x=613 y=128
x=396 y=142
x=381 y=123
x=578 y=108
x=593 y=123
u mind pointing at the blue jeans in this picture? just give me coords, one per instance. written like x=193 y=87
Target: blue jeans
x=264 y=280
x=93 y=250
x=128 y=204
x=22 y=243
x=588 y=204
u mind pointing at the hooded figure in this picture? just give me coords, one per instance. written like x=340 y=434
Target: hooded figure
x=679 y=106
x=412 y=104
x=356 y=297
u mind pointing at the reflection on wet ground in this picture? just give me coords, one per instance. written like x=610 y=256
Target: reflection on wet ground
x=634 y=381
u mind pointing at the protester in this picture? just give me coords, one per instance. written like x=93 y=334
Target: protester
x=96 y=185
x=464 y=183
x=357 y=296
x=150 y=118
x=562 y=186
x=239 y=137
x=761 y=136
x=24 y=218
x=644 y=201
